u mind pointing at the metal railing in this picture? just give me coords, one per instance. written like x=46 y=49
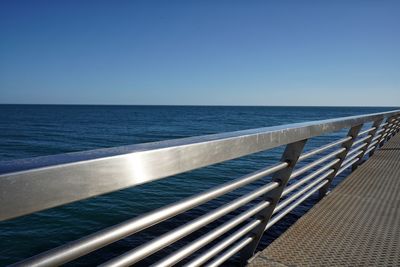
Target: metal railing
x=28 y=186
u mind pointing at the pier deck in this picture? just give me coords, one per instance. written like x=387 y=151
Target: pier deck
x=357 y=224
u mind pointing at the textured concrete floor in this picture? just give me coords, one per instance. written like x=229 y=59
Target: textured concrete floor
x=357 y=224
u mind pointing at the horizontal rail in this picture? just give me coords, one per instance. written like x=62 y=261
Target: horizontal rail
x=372 y=144
x=295 y=204
x=378 y=136
x=85 y=245
x=361 y=140
x=296 y=195
x=229 y=253
x=323 y=148
x=345 y=166
x=366 y=131
x=355 y=155
x=356 y=149
x=385 y=135
x=151 y=247
x=307 y=178
x=316 y=163
x=200 y=260
x=370 y=149
x=204 y=240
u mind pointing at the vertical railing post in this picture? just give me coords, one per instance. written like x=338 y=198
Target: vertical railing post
x=396 y=126
x=353 y=132
x=395 y=123
x=390 y=133
x=290 y=155
x=386 y=135
x=372 y=134
x=381 y=138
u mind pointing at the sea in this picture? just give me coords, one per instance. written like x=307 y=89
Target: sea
x=37 y=130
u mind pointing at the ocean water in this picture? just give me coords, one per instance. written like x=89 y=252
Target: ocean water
x=38 y=130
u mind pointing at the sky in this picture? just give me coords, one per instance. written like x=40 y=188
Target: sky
x=200 y=52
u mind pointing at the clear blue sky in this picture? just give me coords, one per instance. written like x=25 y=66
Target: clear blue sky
x=200 y=52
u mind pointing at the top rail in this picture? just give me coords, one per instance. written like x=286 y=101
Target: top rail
x=31 y=185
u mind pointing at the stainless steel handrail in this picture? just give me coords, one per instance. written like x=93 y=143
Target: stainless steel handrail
x=31 y=185
x=117 y=168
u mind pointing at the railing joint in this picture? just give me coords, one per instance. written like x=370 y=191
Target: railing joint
x=353 y=131
x=292 y=153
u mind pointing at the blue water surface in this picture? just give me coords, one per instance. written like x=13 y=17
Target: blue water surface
x=38 y=130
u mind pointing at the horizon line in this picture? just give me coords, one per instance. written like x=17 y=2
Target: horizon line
x=193 y=105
